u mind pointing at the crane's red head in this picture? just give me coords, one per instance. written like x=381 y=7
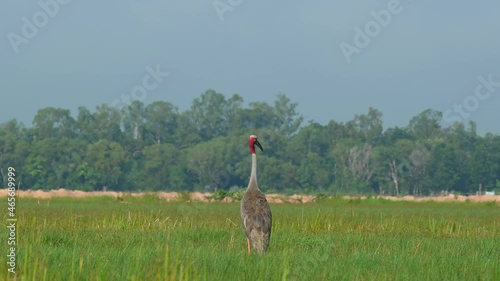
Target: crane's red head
x=252 y=142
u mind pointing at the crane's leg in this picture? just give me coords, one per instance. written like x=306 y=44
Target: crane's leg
x=248 y=243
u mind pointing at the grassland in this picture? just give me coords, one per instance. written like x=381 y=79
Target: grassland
x=104 y=238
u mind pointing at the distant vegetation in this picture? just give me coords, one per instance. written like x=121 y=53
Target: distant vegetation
x=155 y=147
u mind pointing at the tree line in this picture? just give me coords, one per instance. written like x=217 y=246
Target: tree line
x=156 y=147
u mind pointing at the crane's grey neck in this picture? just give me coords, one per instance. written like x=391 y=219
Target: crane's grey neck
x=253 y=175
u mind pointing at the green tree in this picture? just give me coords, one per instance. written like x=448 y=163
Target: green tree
x=107 y=125
x=86 y=125
x=208 y=160
x=368 y=126
x=352 y=168
x=105 y=164
x=484 y=164
x=443 y=169
x=259 y=115
x=310 y=138
x=53 y=122
x=426 y=125
x=234 y=115
x=314 y=172
x=163 y=168
x=287 y=120
x=133 y=120
x=401 y=166
x=161 y=122
x=274 y=175
x=14 y=148
x=52 y=162
x=186 y=134
x=208 y=114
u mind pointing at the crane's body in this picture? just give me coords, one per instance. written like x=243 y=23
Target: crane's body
x=255 y=211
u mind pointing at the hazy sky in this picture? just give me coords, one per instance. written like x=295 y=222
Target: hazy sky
x=428 y=54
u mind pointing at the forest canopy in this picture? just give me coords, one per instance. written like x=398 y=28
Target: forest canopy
x=155 y=147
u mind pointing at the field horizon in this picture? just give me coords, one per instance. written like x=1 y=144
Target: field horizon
x=272 y=198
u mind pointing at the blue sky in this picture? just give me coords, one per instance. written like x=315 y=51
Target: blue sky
x=428 y=55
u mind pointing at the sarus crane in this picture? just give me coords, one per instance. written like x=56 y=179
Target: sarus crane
x=255 y=211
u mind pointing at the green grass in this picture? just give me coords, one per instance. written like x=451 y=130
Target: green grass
x=149 y=239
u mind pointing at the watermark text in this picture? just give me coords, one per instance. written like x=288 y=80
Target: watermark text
x=30 y=27
x=11 y=220
x=483 y=91
x=223 y=6
x=363 y=37
x=150 y=82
